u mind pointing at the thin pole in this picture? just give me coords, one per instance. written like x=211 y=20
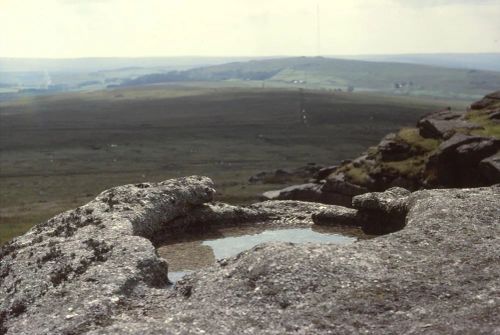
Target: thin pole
x=318 y=28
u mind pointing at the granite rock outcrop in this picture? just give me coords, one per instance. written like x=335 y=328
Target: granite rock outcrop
x=95 y=270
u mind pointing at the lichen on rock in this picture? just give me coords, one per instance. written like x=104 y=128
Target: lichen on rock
x=94 y=270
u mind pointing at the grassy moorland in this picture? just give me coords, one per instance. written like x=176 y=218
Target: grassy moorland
x=321 y=72
x=57 y=152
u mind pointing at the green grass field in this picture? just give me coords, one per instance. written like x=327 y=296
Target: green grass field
x=58 y=152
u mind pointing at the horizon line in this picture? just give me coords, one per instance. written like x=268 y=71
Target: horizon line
x=256 y=56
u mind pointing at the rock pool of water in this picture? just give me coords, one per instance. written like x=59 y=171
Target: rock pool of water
x=191 y=252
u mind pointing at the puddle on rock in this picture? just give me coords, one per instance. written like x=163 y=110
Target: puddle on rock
x=189 y=252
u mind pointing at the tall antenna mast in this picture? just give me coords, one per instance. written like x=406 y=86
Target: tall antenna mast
x=318 y=31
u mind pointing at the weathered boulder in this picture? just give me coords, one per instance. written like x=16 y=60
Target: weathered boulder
x=494 y=114
x=457 y=161
x=445 y=114
x=337 y=215
x=477 y=150
x=280 y=176
x=362 y=160
x=450 y=146
x=270 y=195
x=392 y=149
x=91 y=271
x=302 y=192
x=325 y=172
x=203 y=215
x=487 y=101
x=444 y=128
x=490 y=168
x=494 y=95
x=382 y=212
x=339 y=184
x=335 y=190
x=78 y=268
x=288 y=212
x=334 y=198
x=442 y=124
x=393 y=200
x=375 y=212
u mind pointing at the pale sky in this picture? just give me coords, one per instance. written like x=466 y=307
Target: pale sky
x=134 y=28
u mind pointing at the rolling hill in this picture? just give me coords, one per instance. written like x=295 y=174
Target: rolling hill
x=477 y=61
x=332 y=73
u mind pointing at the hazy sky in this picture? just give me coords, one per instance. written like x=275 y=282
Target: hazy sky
x=82 y=28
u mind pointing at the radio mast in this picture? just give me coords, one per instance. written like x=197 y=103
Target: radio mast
x=318 y=31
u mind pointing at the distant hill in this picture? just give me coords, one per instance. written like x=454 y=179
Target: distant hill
x=90 y=64
x=21 y=76
x=441 y=75
x=479 y=61
x=332 y=73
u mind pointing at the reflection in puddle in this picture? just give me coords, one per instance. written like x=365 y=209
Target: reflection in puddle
x=177 y=275
x=231 y=246
x=191 y=252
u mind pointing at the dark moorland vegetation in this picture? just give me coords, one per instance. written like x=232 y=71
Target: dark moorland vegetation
x=57 y=152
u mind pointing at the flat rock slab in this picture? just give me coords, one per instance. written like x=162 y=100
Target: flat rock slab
x=438 y=275
x=444 y=128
